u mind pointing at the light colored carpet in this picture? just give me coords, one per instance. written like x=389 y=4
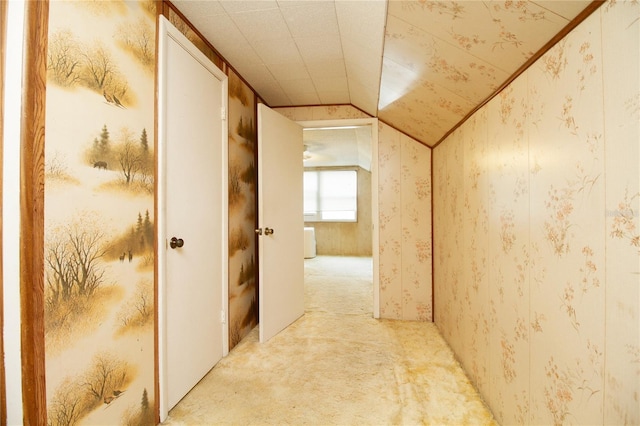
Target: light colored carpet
x=337 y=366
x=339 y=285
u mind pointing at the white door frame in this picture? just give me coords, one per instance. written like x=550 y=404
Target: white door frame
x=167 y=30
x=375 y=236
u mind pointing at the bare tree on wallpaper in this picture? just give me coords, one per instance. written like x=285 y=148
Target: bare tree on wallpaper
x=100 y=384
x=106 y=377
x=100 y=73
x=139 y=38
x=68 y=406
x=128 y=155
x=74 y=272
x=138 y=311
x=100 y=68
x=71 y=63
x=147 y=163
x=73 y=256
x=56 y=169
x=64 y=60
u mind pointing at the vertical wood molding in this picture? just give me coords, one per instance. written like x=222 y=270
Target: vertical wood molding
x=160 y=10
x=3 y=37
x=32 y=213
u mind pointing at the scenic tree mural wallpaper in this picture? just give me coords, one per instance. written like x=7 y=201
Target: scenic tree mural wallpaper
x=243 y=305
x=99 y=230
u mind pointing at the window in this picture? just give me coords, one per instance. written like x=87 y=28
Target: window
x=330 y=196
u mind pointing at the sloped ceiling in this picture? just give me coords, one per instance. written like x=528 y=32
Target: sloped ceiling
x=338 y=147
x=421 y=66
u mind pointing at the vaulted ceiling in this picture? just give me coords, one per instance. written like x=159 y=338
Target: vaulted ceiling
x=419 y=65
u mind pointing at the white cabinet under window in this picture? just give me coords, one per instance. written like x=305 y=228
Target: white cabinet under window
x=331 y=195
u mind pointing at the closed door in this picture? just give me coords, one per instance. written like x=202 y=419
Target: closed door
x=281 y=222
x=192 y=232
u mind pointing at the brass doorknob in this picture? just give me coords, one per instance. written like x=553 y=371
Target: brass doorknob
x=176 y=242
x=268 y=231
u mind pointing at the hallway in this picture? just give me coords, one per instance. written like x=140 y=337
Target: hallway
x=337 y=365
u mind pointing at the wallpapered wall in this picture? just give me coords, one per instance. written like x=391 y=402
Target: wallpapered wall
x=99 y=204
x=536 y=234
x=404 y=203
x=99 y=230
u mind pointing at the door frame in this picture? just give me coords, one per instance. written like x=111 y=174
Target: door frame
x=375 y=231
x=166 y=30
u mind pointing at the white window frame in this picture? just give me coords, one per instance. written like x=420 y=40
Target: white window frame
x=317 y=216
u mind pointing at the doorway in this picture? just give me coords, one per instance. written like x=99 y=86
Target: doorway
x=350 y=144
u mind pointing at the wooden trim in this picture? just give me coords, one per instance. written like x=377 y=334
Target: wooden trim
x=225 y=66
x=165 y=8
x=256 y=202
x=32 y=212
x=169 y=7
x=405 y=133
x=433 y=241
x=593 y=6
x=160 y=10
x=3 y=37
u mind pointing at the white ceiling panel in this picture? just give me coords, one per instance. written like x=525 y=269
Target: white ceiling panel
x=206 y=8
x=305 y=86
x=362 y=56
x=363 y=97
x=311 y=19
x=441 y=57
x=334 y=98
x=326 y=69
x=304 y=98
x=289 y=71
x=221 y=32
x=320 y=48
x=239 y=6
x=331 y=84
x=262 y=25
x=276 y=95
x=367 y=76
x=277 y=51
x=362 y=21
x=263 y=81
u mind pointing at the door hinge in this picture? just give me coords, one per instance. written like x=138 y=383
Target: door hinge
x=223 y=113
x=223 y=317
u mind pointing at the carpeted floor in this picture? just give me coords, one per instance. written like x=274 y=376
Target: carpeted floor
x=337 y=366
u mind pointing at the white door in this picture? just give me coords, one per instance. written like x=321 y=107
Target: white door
x=192 y=231
x=281 y=221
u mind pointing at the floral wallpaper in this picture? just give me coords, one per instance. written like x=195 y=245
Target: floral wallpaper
x=404 y=203
x=405 y=226
x=99 y=205
x=333 y=112
x=537 y=248
x=441 y=59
